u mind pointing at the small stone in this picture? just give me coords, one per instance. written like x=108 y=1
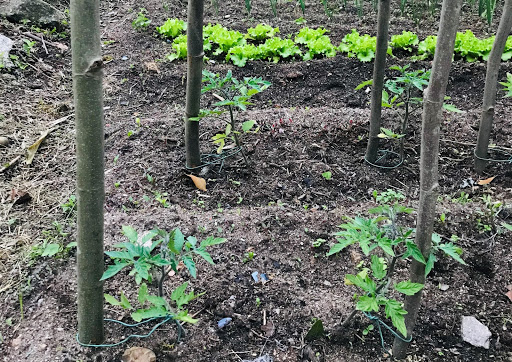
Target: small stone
x=475 y=333
x=42 y=347
x=37 y=11
x=124 y=57
x=4 y=141
x=16 y=343
x=327 y=283
x=5 y=48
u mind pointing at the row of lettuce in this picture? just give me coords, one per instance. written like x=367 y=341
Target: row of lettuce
x=262 y=43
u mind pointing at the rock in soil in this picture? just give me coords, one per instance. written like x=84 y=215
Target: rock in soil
x=475 y=333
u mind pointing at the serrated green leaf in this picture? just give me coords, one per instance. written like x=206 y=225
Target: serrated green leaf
x=176 y=241
x=365 y=284
x=114 y=269
x=247 y=125
x=156 y=300
x=451 y=108
x=414 y=251
x=153 y=312
x=130 y=233
x=506 y=226
x=179 y=291
x=204 y=254
x=111 y=300
x=209 y=241
x=190 y=265
x=453 y=251
x=395 y=311
x=367 y=304
x=342 y=244
x=143 y=294
x=119 y=255
x=125 y=303
x=378 y=267
x=408 y=288
x=185 y=317
x=50 y=250
x=385 y=245
x=430 y=263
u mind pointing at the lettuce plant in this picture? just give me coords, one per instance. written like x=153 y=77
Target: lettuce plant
x=427 y=47
x=261 y=32
x=469 y=47
x=179 y=45
x=224 y=39
x=321 y=46
x=172 y=28
x=307 y=35
x=240 y=54
x=276 y=49
x=363 y=47
x=405 y=41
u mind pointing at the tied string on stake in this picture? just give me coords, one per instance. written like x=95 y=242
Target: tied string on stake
x=166 y=319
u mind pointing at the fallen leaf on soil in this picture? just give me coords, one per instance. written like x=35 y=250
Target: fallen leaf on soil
x=32 y=150
x=509 y=295
x=20 y=197
x=199 y=182
x=139 y=354
x=268 y=328
x=152 y=66
x=486 y=181
x=316 y=331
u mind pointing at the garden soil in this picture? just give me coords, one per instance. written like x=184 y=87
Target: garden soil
x=311 y=121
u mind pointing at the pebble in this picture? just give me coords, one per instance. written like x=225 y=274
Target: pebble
x=124 y=57
x=4 y=141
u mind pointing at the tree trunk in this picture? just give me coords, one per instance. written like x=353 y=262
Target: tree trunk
x=194 y=79
x=88 y=98
x=432 y=114
x=491 y=80
x=379 y=67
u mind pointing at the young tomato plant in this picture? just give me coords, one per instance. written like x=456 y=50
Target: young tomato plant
x=155 y=251
x=404 y=92
x=385 y=243
x=233 y=96
x=141 y=22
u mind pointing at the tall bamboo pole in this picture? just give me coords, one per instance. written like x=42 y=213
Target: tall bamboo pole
x=194 y=78
x=491 y=80
x=432 y=114
x=87 y=67
x=379 y=67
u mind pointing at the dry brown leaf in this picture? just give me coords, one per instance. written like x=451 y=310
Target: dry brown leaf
x=139 y=354
x=199 y=182
x=152 y=66
x=32 y=150
x=268 y=328
x=509 y=295
x=486 y=181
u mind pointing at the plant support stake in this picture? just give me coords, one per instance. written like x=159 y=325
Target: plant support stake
x=379 y=66
x=432 y=112
x=88 y=98
x=194 y=79
x=491 y=80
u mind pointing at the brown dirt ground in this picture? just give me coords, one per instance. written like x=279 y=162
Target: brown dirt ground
x=311 y=121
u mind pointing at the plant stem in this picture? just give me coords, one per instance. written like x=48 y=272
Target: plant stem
x=235 y=135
